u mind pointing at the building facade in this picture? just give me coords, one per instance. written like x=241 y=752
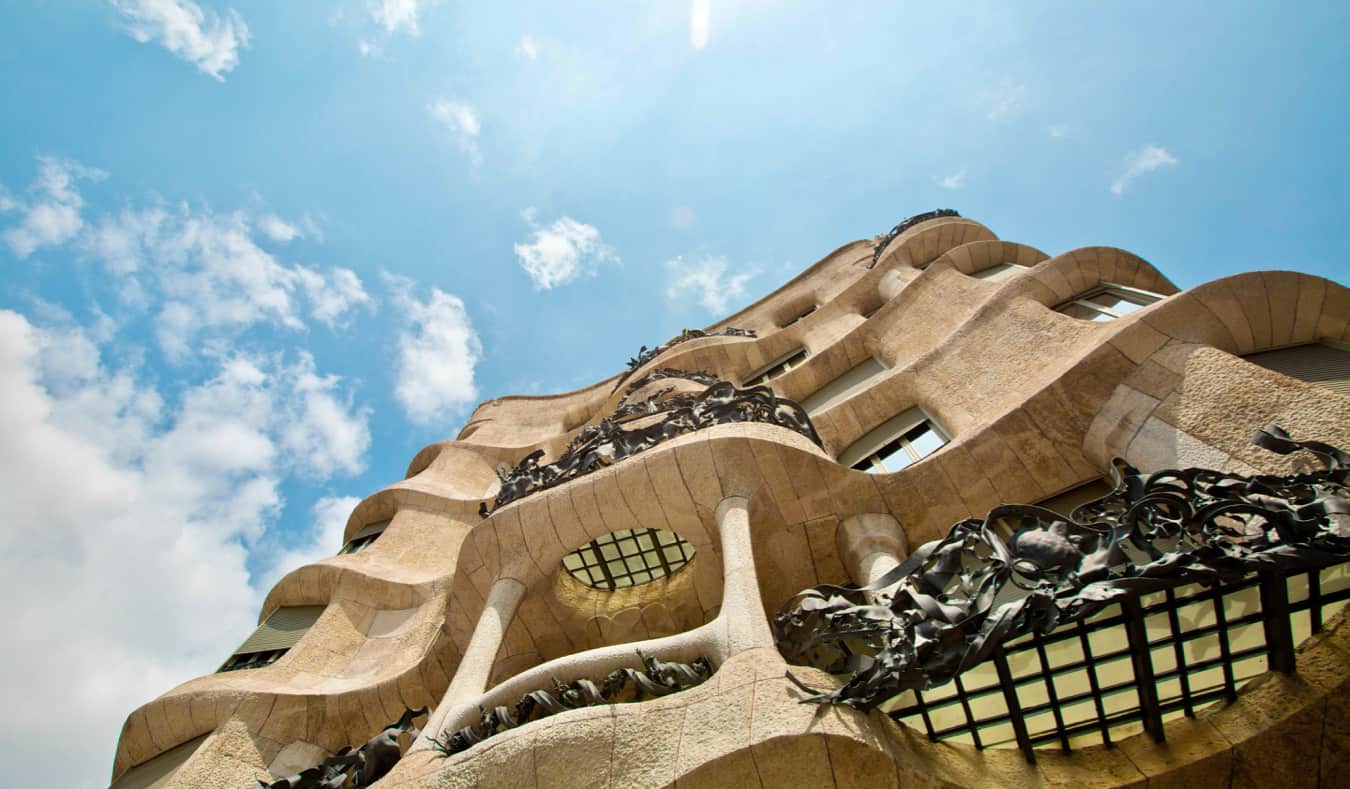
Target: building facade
x=658 y=521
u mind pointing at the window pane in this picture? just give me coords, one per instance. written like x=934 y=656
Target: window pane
x=1082 y=312
x=927 y=442
x=892 y=461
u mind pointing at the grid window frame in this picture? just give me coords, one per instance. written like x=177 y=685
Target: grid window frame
x=1155 y=689
x=628 y=557
x=896 y=437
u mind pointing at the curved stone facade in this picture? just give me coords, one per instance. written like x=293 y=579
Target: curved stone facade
x=453 y=611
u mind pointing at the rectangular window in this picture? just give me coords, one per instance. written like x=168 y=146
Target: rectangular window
x=898 y=442
x=282 y=630
x=843 y=387
x=1107 y=302
x=776 y=369
x=363 y=539
x=999 y=271
x=799 y=316
x=1325 y=364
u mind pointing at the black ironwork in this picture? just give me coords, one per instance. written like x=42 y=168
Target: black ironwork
x=632 y=563
x=1028 y=715
x=361 y=766
x=658 y=678
x=660 y=373
x=906 y=224
x=608 y=442
x=957 y=600
x=646 y=354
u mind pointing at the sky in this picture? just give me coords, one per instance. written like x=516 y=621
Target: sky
x=257 y=254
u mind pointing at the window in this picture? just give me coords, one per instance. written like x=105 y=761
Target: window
x=362 y=539
x=282 y=630
x=628 y=557
x=843 y=386
x=1325 y=364
x=999 y=271
x=1107 y=302
x=779 y=367
x=896 y=443
x=799 y=316
x=1062 y=503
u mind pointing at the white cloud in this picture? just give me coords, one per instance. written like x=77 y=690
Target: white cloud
x=208 y=274
x=203 y=38
x=324 y=540
x=709 y=280
x=953 y=181
x=681 y=216
x=396 y=15
x=461 y=120
x=1005 y=100
x=368 y=49
x=131 y=517
x=1059 y=130
x=562 y=252
x=528 y=48
x=700 y=13
x=1145 y=160
x=279 y=230
x=332 y=297
x=52 y=216
x=438 y=350
x=203 y=272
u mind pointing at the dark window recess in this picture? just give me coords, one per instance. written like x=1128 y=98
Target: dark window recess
x=1320 y=363
x=274 y=637
x=799 y=316
x=628 y=557
x=777 y=368
x=1130 y=667
x=362 y=539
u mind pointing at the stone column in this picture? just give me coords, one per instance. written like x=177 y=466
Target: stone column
x=742 y=608
x=871 y=545
x=475 y=668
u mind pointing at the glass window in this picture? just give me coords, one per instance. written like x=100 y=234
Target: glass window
x=776 y=369
x=896 y=443
x=629 y=557
x=1107 y=302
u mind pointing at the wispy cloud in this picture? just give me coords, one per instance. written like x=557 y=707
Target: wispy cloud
x=438 y=351
x=207 y=40
x=709 y=281
x=51 y=216
x=1143 y=161
x=562 y=252
x=202 y=274
x=396 y=15
x=461 y=120
x=1059 y=130
x=953 y=181
x=528 y=48
x=700 y=16
x=1005 y=100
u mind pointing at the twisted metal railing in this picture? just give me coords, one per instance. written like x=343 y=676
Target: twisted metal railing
x=955 y=601
x=355 y=768
x=609 y=441
x=646 y=354
x=659 y=678
x=906 y=224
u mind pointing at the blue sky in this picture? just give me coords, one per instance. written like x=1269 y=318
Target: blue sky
x=258 y=254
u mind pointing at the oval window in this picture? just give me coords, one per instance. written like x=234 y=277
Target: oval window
x=628 y=557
